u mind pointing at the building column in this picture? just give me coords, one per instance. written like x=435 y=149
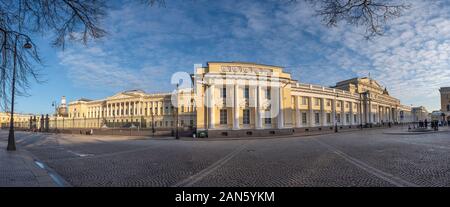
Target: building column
x=351 y=113
x=333 y=112
x=120 y=109
x=323 y=115
x=210 y=97
x=258 y=119
x=343 y=115
x=280 y=116
x=236 y=107
x=297 y=112
x=311 y=112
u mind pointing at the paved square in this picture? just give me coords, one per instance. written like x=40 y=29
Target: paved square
x=358 y=158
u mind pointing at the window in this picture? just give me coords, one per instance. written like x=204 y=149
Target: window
x=304 y=101
x=167 y=123
x=328 y=103
x=346 y=105
x=223 y=116
x=191 y=122
x=317 y=102
x=338 y=118
x=304 y=118
x=268 y=95
x=317 y=118
x=355 y=118
x=338 y=104
x=223 y=92
x=171 y=123
x=267 y=121
x=246 y=92
x=328 y=117
x=347 y=118
x=246 y=116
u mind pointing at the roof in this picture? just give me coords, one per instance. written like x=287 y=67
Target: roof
x=238 y=62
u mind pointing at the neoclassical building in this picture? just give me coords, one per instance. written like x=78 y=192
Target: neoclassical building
x=445 y=102
x=242 y=99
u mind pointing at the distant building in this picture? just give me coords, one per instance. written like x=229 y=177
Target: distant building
x=445 y=102
x=62 y=110
x=238 y=98
x=20 y=120
x=420 y=113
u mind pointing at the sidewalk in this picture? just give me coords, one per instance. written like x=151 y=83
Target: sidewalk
x=18 y=169
x=404 y=131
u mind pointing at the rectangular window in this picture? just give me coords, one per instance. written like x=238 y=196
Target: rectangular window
x=246 y=92
x=268 y=93
x=328 y=118
x=304 y=101
x=223 y=92
x=355 y=118
x=328 y=103
x=317 y=102
x=338 y=104
x=347 y=118
x=304 y=118
x=267 y=121
x=317 y=118
x=223 y=116
x=346 y=105
x=338 y=118
x=246 y=116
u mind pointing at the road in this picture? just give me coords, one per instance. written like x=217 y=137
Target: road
x=359 y=158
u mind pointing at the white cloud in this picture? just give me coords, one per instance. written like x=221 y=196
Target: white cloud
x=145 y=46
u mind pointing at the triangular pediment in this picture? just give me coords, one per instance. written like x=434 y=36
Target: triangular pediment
x=371 y=82
x=123 y=95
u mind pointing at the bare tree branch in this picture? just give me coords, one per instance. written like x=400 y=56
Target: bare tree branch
x=372 y=15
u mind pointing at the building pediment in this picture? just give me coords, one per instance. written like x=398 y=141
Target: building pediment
x=127 y=94
x=372 y=83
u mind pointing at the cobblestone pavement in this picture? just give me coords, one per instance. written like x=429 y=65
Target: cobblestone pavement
x=358 y=158
x=19 y=169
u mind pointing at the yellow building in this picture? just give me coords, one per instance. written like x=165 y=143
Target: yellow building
x=241 y=99
x=445 y=102
x=253 y=99
x=20 y=120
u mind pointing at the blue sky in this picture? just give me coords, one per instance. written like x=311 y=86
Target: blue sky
x=145 y=46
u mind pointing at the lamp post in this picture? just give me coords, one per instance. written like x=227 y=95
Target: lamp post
x=56 y=115
x=335 y=113
x=11 y=139
x=177 y=136
x=360 y=111
x=73 y=119
x=153 y=123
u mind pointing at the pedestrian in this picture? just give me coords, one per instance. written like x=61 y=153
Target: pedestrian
x=92 y=131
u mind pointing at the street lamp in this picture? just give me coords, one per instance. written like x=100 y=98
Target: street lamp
x=177 y=136
x=335 y=114
x=11 y=139
x=73 y=119
x=56 y=115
